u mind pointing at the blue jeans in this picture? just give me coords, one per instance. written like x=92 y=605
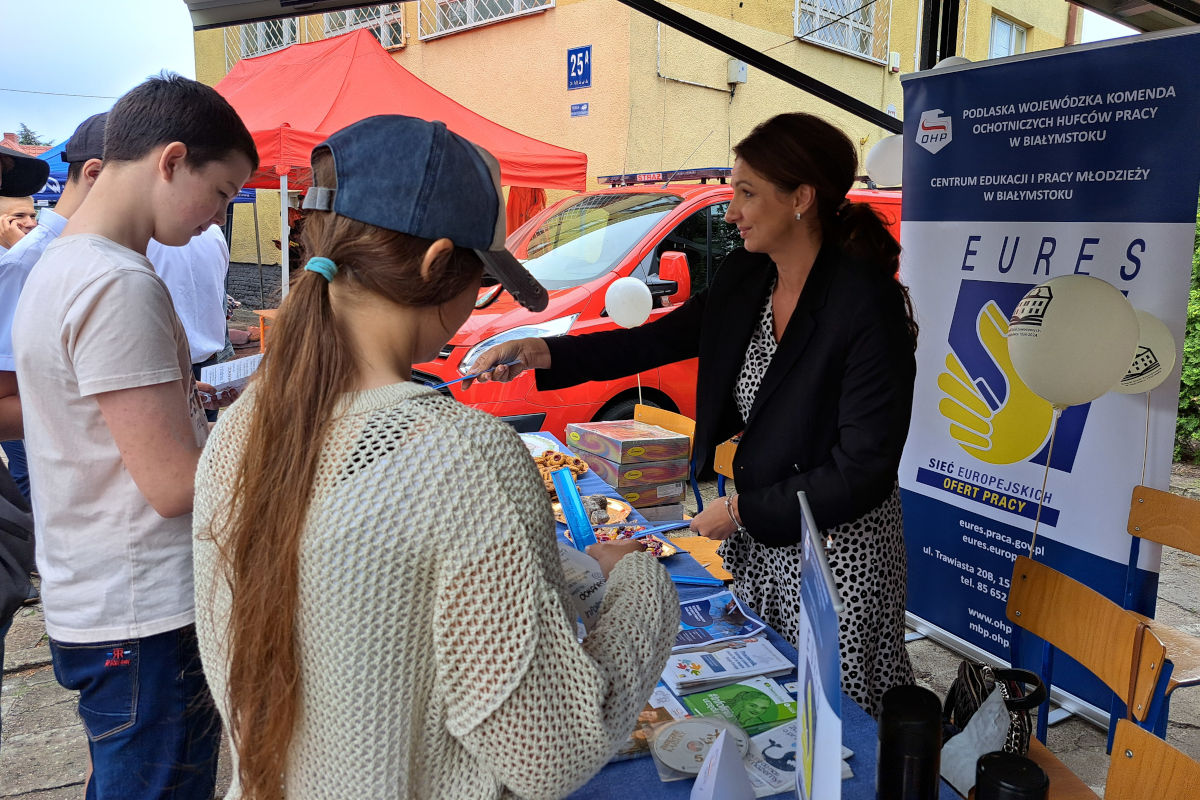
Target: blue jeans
x=18 y=467
x=152 y=728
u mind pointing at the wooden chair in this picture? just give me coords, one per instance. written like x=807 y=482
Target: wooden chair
x=1144 y=766
x=723 y=461
x=1112 y=643
x=680 y=424
x=1174 y=521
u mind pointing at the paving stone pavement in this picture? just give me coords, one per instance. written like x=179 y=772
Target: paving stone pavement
x=43 y=751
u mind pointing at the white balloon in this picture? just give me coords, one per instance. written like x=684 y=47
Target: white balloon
x=952 y=61
x=628 y=302
x=885 y=161
x=1154 y=358
x=1072 y=338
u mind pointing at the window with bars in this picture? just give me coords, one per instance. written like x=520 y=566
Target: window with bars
x=268 y=36
x=858 y=27
x=440 y=17
x=385 y=22
x=1008 y=38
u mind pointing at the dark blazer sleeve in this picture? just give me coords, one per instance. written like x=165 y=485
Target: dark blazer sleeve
x=614 y=354
x=872 y=394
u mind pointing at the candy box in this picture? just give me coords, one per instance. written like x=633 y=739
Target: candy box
x=653 y=495
x=627 y=441
x=641 y=473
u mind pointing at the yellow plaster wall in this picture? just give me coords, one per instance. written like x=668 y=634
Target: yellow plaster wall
x=210 y=55
x=1044 y=20
x=670 y=119
x=515 y=73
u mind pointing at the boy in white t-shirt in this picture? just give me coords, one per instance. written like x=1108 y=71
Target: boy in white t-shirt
x=115 y=427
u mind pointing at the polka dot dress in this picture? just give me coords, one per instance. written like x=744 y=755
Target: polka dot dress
x=867 y=559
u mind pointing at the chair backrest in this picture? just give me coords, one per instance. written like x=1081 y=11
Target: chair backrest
x=1145 y=766
x=1165 y=518
x=667 y=419
x=1099 y=634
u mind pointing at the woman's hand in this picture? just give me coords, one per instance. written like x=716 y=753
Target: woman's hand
x=607 y=554
x=714 y=521
x=532 y=353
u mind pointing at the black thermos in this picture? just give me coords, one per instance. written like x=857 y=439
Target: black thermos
x=1006 y=776
x=910 y=745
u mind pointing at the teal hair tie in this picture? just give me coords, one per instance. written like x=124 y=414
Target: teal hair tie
x=322 y=266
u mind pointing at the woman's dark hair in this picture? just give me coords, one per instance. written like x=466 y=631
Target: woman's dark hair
x=796 y=149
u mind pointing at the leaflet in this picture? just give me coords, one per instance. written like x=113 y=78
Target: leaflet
x=231 y=374
x=716 y=618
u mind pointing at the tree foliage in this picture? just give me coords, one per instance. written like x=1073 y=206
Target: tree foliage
x=1187 y=429
x=27 y=135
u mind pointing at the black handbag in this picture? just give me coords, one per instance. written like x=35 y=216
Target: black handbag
x=975 y=682
x=16 y=546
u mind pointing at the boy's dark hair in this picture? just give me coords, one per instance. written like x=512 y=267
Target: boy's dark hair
x=171 y=108
x=75 y=171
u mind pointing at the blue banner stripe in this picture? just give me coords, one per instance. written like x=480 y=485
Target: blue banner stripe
x=1027 y=140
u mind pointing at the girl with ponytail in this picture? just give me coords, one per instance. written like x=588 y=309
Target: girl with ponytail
x=380 y=605
x=805 y=341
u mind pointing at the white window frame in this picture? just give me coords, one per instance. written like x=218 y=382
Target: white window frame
x=1007 y=30
x=825 y=17
x=382 y=22
x=257 y=32
x=469 y=16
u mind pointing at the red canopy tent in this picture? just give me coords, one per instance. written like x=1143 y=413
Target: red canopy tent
x=292 y=99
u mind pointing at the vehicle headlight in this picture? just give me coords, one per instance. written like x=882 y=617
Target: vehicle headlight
x=554 y=327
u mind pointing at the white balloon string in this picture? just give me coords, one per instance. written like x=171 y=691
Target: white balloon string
x=639 y=380
x=1037 y=520
x=1146 y=447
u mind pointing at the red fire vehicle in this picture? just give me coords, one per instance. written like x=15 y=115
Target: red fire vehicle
x=667 y=230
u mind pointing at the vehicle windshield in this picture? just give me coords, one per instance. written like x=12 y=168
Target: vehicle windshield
x=590 y=235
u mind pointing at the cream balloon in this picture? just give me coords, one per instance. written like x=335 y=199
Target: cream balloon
x=885 y=161
x=952 y=61
x=1154 y=358
x=628 y=302
x=1072 y=338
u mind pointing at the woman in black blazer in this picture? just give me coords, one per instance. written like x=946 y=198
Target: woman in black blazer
x=805 y=342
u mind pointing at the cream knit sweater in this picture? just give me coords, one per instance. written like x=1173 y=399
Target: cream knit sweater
x=437 y=655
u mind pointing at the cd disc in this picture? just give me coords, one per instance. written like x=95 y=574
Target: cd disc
x=683 y=744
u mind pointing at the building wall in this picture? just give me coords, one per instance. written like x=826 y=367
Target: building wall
x=1045 y=22
x=659 y=99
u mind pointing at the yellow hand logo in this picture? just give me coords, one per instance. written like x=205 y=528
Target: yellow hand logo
x=1014 y=431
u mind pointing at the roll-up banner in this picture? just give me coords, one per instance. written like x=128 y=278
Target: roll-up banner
x=1081 y=160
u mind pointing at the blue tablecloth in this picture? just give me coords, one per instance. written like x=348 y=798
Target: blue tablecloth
x=637 y=778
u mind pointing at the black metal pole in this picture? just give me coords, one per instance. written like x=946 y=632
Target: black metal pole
x=948 y=38
x=931 y=18
x=770 y=66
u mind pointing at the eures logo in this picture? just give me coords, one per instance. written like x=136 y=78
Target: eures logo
x=934 y=130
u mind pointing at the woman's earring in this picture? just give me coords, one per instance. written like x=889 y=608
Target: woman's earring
x=799 y=216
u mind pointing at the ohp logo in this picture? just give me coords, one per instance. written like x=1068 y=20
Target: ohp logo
x=934 y=132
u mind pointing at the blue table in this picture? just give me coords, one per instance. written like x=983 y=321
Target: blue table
x=637 y=778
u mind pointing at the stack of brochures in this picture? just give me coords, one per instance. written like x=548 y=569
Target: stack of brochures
x=695 y=671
